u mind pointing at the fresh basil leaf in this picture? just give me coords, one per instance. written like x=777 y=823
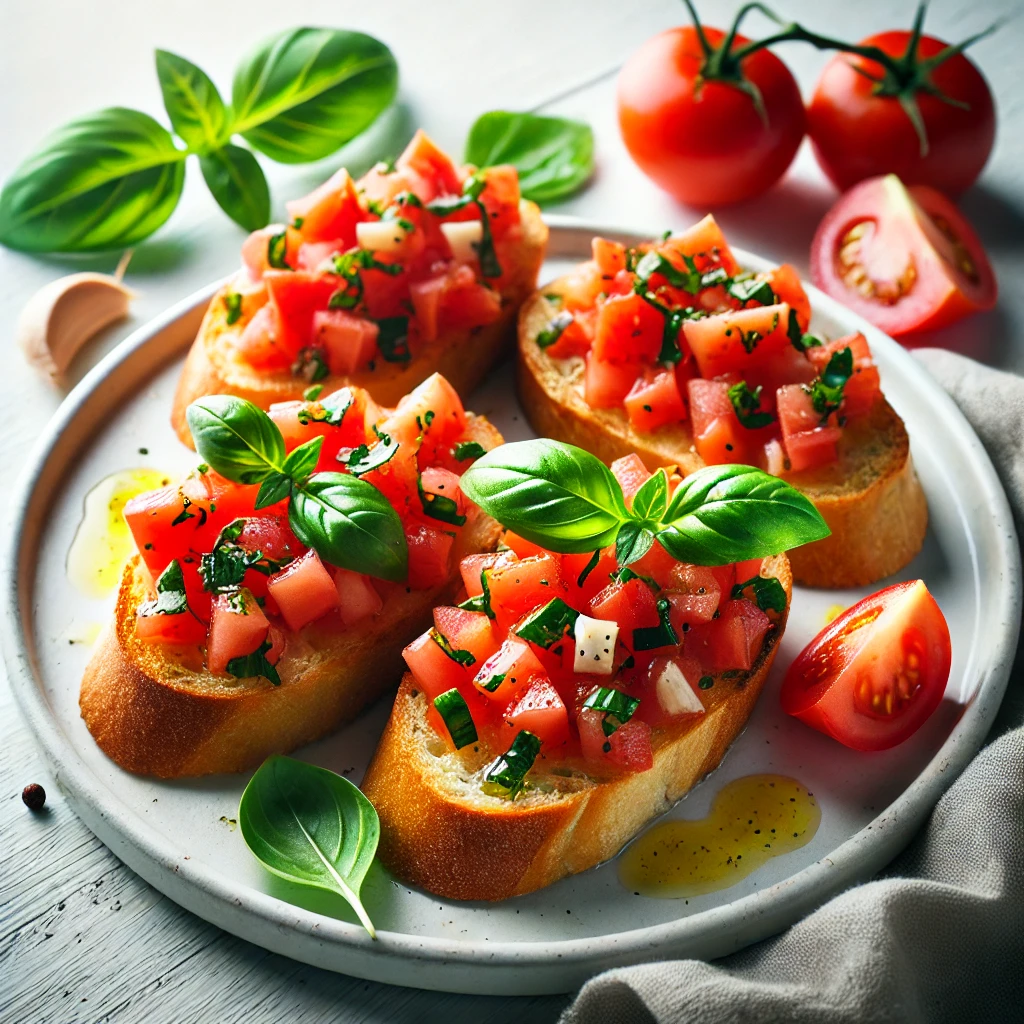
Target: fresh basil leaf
x=312 y=393
x=303 y=93
x=302 y=461
x=554 y=156
x=275 y=488
x=237 y=183
x=255 y=664
x=103 y=181
x=651 y=500
x=350 y=524
x=364 y=458
x=170 y=593
x=224 y=567
x=193 y=104
x=616 y=706
x=310 y=826
x=747 y=405
x=632 y=543
x=551 y=493
x=769 y=593
x=335 y=405
x=723 y=514
x=238 y=439
x=458 y=719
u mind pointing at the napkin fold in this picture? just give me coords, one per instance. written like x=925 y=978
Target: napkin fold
x=939 y=936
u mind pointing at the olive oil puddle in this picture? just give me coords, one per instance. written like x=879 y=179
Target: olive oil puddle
x=103 y=541
x=752 y=820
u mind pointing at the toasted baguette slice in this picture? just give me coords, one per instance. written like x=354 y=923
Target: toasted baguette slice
x=155 y=710
x=440 y=831
x=463 y=357
x=870 y=497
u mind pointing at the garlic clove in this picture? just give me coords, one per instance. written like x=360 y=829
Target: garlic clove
x=63 y=315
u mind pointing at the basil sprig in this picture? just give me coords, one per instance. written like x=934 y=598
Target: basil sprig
x=567 y=500
x=346 y=520
x=111 y=178
x=310 y=826
x=554 y=156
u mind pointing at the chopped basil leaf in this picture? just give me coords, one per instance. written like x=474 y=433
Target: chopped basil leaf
x=800 y=341
x=255 y=664
x=330 y=411
x=348 y=265
x=706 y=682
x=752 y=290
x=170 y=593
x=233 y=304
x=297 y=223
x=710 y=278
x=458 y=720
x=313 y=393
x=393 y=339
x=827 y=391
x=617 y=707
x=747 y=405
x=364 y=458
x=184 y=515
x=653 y=262
x=504 y=776
x=555 y=328
x=311 y=364
x=459 y=657
x=769 y=593
x=481 y=602
x=624 y=574
x=468 y=450
x=223 y=569
x=439 y=506
x=277 y=251
x=663 y=635
x=588 y=568
x=548 y=624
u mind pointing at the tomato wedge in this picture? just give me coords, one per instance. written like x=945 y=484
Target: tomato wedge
x=873 y=676
x=905 y=259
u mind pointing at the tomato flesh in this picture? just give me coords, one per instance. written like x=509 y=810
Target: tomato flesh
x=873 y=676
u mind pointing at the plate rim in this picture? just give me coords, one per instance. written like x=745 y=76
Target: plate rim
x=565 y=961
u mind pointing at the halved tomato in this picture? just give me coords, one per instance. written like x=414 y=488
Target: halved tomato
x=872 y=677
x=905 y=259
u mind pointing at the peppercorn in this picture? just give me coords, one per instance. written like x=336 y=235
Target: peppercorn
x=34 y=796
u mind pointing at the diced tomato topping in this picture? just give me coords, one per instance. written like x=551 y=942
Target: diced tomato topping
x=256 y=249
x=259 y=342
x=507 y=671
x=349 y=342
x=304 y=590
x=863 y=389
x=573 y=566
x=429 y=556
x=329 y=213
x=501 y=198
x=717 y=433
x=786 y=284
x=581 y=286
x=706 y=244
x=466 y=631
x=807 y=441
x=523 y=585
x=738 y=634
x=468 y=304
x=631 y=604
x=435 y=672
x=631 y=473
x=610 y=257
x=522 y=547
x=607 y=384
x=654 y=400
x=237 y=628
x=426 y=301
x=183 y=628
x=541 y=711
x=424 y=159
x=471 y=568
x=358 y=599
x=735 y=340
x=434 y=411
x=628 y=748
x=629 y=330
x=297 y=295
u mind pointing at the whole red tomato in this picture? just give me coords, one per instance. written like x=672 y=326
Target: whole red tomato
x=859 y=127
x=701 y=137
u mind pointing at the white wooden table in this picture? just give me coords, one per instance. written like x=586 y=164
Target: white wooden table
x=81 y=937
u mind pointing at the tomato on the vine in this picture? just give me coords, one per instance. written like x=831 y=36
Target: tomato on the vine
x=905 y=259
x=926 y=113
x=874 y=675
x=708 y=115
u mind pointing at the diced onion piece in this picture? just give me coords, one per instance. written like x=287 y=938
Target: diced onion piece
x=675 y=694
x=381 y=235
x=595 y=645
x=462 y=236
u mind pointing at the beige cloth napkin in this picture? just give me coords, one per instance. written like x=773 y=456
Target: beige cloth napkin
x=940 y=935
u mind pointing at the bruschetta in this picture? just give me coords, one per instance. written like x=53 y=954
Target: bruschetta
x=671 y=350
x=241 y=628
x=418 y=267
x=566 y=702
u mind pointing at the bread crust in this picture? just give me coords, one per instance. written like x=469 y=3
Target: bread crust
x=870 y=498
x=463 y=357
x=155 y=710
x=448 y=837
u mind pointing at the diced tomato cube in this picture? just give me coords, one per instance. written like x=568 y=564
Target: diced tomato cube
x=435 y=672
x=259 y=343
x=426 y=301
x=297 y=295
x=349 y=341
x=735 y=340
x=628 y=748
x=467 y=631
x=597 y=579
x=430 y=163
x=609 y=256
x=329 y=212
x=581 y=286
x=472 y=566
x=313 y=255
x=654 y=400
x=501 y=198
x=183 y=628
x=631 y=473
x=631 y=604
x=278 y=642
x=508 y=671
x=575 y=338
x=607 y=384
x=737 y=635
x=303 y=591
x=442 y=483
x=717 y=433
x=808 y=443
x=629 y=330
x=863 y=389
x=429 y=556
x=237 y=628
x=256 y=249
x=541 y=711
x=657 y=564
x=433 y=410
x=522 y=547
x=357 y=597
x=695 y=595
x=521 y=586
x=786 y=284
x=706 y=244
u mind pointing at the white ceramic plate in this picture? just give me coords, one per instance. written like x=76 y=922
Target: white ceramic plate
x=178 y=837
